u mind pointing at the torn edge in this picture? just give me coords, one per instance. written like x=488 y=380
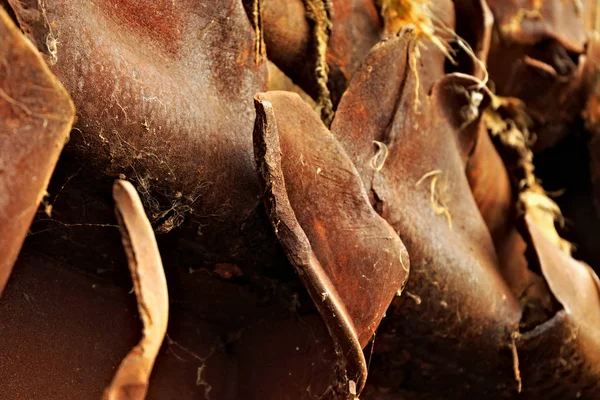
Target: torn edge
x=514 y=138
x=148 y=276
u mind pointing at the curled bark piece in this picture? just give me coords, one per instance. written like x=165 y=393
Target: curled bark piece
x=512 y=136
x=458 y=299
x=496 y=195
x=132 y=377
x=36 y=114
x=581 y=201
x=441 y=136
x=565 y=332
x=573 y=283
x=329 y=231
x=570 y=340
x=504 y=189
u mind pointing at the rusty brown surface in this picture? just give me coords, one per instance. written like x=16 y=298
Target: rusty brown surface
x=329 y=231
x=433 y=304
x=496 y=198
x=36 y=114
x=172 y=86
x=285 y=299
x=429 y=144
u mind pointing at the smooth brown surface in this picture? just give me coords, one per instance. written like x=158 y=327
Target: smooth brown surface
x=499 y=174
x=36 y=114
x=351 y=261
x=497 y=201
x=456 y=306
x=452 y=327
x=65 y=333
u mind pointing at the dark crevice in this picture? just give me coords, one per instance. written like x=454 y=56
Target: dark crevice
x=394 y=123
x=9 y=10
x=552 y=53
x=377 y=203
x=564 y=171
x=535 y=311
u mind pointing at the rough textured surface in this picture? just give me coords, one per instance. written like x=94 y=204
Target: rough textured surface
x=455 y=298
x=36 y=114
x=433 y=148
x=351 y=261
x=282 y=297
x=163 y=93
